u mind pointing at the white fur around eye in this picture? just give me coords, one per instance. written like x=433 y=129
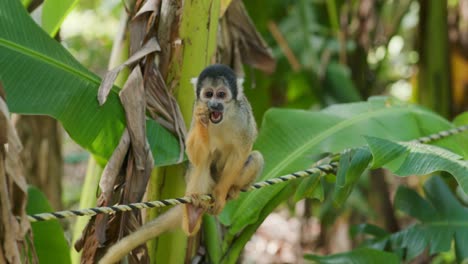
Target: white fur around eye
x=194 y=81
x=240 y=88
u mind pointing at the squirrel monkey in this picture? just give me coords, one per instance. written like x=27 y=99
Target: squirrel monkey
x=219 y=148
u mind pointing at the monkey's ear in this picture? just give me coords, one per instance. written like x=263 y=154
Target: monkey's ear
x=194 y=81
x=240 y=88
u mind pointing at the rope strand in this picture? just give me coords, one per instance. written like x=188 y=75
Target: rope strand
x=322 y=169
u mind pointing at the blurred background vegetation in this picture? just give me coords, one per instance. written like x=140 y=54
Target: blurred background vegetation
x=328 y=52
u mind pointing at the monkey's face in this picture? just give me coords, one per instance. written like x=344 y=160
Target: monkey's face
x=216 y=95
x=219 y=88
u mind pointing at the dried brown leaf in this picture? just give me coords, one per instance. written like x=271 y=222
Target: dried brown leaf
x=114 y=165
x=224 y=6
x=164 y=108
x=168 y=36
x=93 y=250
x=133 y=101
x=149 y=6
x=106 y=85
x=244 y=40
x=142 y=25
x=14 y=226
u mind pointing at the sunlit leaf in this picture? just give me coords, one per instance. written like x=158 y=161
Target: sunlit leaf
x=54 y=13
x=290 y=139
x=406 y=159
x=41 y=77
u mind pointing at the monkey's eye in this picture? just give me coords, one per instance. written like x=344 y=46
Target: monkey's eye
x=221 y=95
x=208 y=94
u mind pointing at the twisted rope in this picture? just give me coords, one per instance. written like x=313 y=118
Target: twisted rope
x=322 y=169
x=441 y=135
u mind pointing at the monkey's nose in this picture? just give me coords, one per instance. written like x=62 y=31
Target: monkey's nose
x=215 y=106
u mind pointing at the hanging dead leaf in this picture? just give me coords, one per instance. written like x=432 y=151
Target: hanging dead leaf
x=132 y=97
x=241 y=43
x=113 y=166
x=168 y=36
x=15 y=229
x=224 y=6
x=163 y=107
x=149 y=6
x=108 y=81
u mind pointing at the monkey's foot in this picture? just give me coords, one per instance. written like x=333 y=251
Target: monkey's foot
x=217 y=208
x=197 y=201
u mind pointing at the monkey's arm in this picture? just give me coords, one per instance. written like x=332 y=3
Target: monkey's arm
x=198 y=177
x=197 y=140
x=231 y=177
x=167 y=221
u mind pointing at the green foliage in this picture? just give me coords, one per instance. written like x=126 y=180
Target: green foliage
x=310 y=187
x=291 y=140
x=406 y=159
x=41 y=77
x=339 y=84
x=442 y=220
x=54 y=12
x=358 y=256
x=352 y=165
x=49 y=239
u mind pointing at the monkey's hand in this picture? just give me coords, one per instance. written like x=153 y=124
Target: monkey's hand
x=202 y=114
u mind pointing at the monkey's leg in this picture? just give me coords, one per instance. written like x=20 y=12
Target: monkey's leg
x=199 y=183
x=228 y=178
x=253 y=167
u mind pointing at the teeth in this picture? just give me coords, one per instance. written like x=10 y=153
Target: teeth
x=216 y=116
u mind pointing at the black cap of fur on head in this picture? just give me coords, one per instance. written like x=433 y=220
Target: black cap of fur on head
x=218 y=71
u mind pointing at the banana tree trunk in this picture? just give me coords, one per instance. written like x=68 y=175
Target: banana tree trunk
x=197 y=33
x=434 y=61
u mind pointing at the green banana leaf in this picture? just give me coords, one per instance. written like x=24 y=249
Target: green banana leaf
x=48 y=237
x=357 y=256
x=352 y=165
x=54 y=13
x=41 y=77
x=406 y=159
x=442 y=217
x=442 y=222
x=290 y=140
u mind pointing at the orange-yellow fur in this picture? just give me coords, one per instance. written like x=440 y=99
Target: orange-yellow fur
x=222 y=163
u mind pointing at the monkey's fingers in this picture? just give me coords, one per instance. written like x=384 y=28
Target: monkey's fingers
x=203 y=115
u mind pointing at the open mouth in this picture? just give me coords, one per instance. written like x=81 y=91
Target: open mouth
x=216 y=117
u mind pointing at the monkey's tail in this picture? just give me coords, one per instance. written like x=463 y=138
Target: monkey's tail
x=165 y=222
